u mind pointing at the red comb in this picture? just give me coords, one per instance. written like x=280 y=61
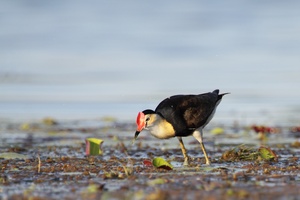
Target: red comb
x=140 y=118
x=140 y=121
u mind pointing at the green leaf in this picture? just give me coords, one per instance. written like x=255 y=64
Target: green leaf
x=12 y=155
x=92 y=188
x=49 y=121
x=217 y=131
x=93 y=146
x=161 y=163
x=267 y=153
x=157 y=181
x=25 y=126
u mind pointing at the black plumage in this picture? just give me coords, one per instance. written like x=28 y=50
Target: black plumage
x=188 y=112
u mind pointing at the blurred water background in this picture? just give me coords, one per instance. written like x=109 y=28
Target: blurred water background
x=89 y=59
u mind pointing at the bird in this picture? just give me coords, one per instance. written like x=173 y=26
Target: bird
x=180 y=116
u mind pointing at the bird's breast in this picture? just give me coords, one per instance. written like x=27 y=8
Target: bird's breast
x=162 y=130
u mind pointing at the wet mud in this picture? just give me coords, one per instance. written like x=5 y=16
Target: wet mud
x=46 y=160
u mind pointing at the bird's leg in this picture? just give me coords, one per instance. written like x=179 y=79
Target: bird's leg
x=186 y=158
x=198 y=136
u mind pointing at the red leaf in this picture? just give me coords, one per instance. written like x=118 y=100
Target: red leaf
x=148 y=163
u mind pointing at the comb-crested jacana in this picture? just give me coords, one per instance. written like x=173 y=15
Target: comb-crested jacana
x=180 y=116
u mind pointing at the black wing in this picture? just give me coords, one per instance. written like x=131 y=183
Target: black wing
x=188 y=112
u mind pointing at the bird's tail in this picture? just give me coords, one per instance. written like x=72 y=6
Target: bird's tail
x=216 y=91
x=224 y=94
x=221 y=95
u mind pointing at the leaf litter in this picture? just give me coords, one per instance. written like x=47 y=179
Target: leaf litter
x=244 y=153
x=56 y=166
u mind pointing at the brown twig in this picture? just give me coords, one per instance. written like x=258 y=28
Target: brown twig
x=39 y=164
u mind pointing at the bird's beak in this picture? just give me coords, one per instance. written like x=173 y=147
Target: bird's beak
x=135 y=136
x=140 y=122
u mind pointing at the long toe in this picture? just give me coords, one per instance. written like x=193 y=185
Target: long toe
x=186 y=161
x=207 y=162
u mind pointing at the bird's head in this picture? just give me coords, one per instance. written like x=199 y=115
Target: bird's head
x=144 y=120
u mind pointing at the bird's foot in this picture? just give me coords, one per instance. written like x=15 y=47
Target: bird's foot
x=186 y=161
x=207 y=162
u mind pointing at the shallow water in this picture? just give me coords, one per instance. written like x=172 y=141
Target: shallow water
x=65 y=171
x=94 y=60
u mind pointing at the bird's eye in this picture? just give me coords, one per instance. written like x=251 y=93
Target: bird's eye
x=147 y=119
